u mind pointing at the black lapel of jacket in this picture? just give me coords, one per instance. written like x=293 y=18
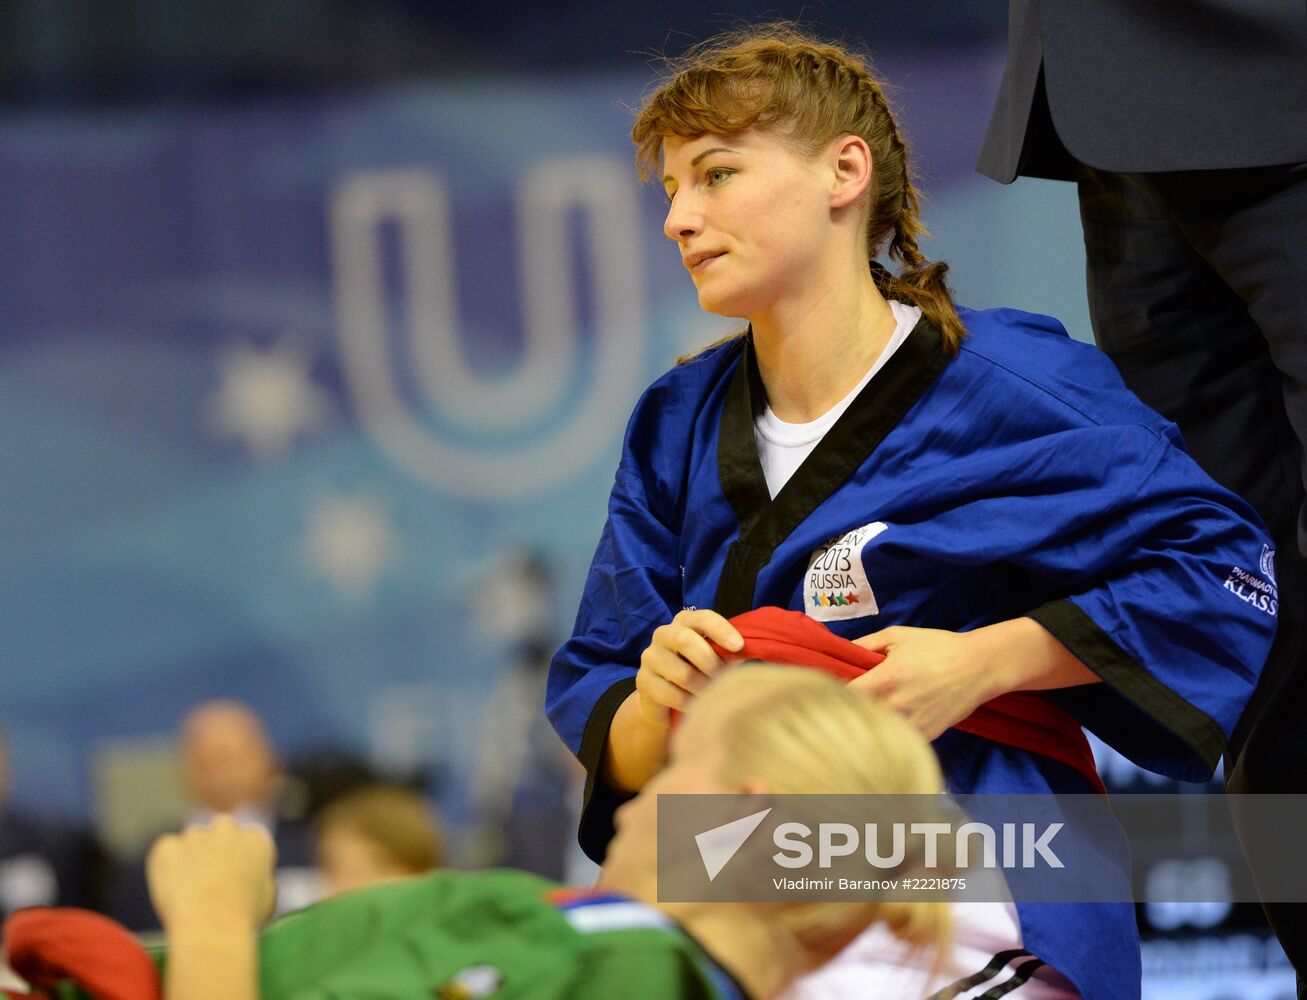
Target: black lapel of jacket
x=765 y=523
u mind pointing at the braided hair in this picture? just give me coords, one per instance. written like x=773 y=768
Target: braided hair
x=808 y=92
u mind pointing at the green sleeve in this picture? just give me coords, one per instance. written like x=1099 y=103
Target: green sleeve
x=642 y=965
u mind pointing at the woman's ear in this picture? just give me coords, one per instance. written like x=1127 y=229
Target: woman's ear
x=759 y=797
x=852 y=170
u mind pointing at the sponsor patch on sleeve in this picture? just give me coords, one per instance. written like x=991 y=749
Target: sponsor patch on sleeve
x=1258 y=591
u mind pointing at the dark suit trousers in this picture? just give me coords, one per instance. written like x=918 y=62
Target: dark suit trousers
x=1198 y=293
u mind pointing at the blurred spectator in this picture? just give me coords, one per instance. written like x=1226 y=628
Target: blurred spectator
x=317 y=779
x=522 y=816
x=43 y=861
x=373 y=835
x=229 y=765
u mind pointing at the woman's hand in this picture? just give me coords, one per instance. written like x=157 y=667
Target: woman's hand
x=220 y=872
x=673 y=669
x=933 y=677
x=678 y=662
x=937 y=678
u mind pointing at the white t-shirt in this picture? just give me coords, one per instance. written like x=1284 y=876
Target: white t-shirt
x=878 y=964
x=782 y=446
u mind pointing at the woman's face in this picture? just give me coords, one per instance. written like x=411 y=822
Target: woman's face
x=750 y=216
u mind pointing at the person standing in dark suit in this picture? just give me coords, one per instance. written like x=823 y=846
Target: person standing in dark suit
x=229 y=766
x=1185 y=129
x=44 y=861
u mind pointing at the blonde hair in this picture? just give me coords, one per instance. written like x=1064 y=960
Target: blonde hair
x=805 y=732
x=808 y=92
x=395 y=820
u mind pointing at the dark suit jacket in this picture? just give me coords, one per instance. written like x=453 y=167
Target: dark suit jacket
x=127 y=898
x=47 y=862
x=1149 y=85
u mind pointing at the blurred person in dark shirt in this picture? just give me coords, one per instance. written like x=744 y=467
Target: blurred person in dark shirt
x=229 y=766
x=44 y=861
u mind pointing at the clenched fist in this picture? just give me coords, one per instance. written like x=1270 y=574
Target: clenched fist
x=220 y=871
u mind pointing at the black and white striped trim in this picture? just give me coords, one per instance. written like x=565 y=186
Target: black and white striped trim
x=1023 y=962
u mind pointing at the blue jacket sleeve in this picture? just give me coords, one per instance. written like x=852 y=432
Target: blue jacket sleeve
x=1172 y=603
x=633 y=587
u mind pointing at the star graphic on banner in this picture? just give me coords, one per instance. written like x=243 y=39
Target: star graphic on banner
x=349 y=543
x=266 y=398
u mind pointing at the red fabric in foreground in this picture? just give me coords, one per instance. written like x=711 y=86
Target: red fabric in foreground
x=1023 y=719
x=46 y=945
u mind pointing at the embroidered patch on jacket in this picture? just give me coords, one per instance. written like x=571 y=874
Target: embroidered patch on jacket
x=1267 y=563
x=835 y=585
x=1258 y=591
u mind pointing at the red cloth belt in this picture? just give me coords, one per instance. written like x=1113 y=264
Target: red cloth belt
x=1022 y=719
